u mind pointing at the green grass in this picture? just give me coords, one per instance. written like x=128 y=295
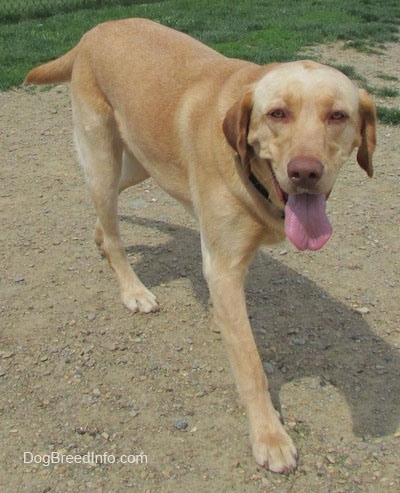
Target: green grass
x=257 y=30
x=390 y=78
x=16 y=10
x=389 y=116
x=386 y=92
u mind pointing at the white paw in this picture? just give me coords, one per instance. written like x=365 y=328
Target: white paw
x=276 y=452
x=140 y=300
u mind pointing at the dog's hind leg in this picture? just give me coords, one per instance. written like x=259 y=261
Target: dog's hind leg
x=107 y=172
x=132 y=173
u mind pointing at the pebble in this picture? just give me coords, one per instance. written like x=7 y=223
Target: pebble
x=181 y=424
x=363 y=310
x=65 y=355
x=87 y=399
x=111 y=346
x=266 y=483
x=139 y=204
x=268 y=367
x=299 y=341
x=260 y=331
x=18 y=278
x=7 y=355
x=2 y=372
x=330 y=459
x=87 y=348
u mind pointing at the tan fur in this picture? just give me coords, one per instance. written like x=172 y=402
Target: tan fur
x=149 y=101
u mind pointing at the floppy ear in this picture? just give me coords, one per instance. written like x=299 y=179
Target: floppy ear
x=368 y=134
x=236 y=127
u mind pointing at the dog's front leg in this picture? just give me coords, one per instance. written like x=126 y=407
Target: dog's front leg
x=272 y=446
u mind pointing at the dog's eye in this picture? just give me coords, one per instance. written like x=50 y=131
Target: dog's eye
x=338 y=116
x=279 y=114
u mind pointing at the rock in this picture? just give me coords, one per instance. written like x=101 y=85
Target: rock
x=87 y=348
x=268 y=367
x=139 y=204
x=111 y=346
x=8 y=355
x=181 y=424
x=330 y=459
x=18 y=278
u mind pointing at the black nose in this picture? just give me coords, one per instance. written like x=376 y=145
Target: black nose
x=305 y=172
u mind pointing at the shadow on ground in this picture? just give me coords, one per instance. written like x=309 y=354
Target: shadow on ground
x=301 y=331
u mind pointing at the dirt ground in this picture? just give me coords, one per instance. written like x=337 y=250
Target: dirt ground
x=80 y=375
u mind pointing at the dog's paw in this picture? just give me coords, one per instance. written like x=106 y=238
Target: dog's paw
x=140 y=300
x=276 y=452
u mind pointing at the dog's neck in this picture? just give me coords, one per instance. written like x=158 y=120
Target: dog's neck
x=259 y=186
x=262 y=190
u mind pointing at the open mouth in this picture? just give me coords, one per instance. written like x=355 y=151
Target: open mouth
x=283 y=196
x=306 y=223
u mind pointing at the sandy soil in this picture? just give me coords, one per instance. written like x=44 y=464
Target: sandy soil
x=81 y=375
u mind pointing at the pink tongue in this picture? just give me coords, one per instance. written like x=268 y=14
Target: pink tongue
x=306 y=223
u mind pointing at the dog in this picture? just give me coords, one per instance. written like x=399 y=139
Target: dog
x=251 y=151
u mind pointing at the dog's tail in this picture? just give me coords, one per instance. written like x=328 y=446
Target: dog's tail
x=59 y=70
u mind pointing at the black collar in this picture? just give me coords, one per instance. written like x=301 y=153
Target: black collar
x=262 y=190
x=259 y=186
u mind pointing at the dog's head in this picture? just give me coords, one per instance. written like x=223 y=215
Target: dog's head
x=294 y=129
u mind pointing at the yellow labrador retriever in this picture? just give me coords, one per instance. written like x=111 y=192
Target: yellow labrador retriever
x=252 y=151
